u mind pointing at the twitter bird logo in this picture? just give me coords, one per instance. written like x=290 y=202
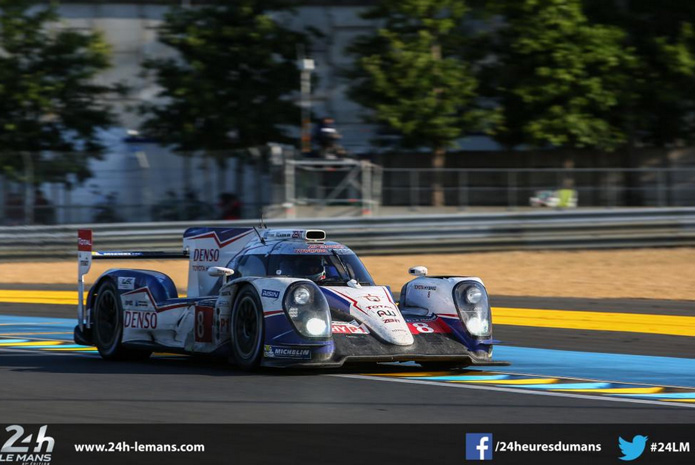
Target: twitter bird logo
x=632 y=450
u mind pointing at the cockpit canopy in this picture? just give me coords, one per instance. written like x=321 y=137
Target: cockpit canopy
x=325 y=263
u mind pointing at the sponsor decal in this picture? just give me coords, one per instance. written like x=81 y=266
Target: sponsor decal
x=270 y=293
x=421 y=287
x=286 y=352
x=22 y=448
x=429 y=327
x=84 y=240
x=385 y=313
x=390 y=320
x=321 y=248
x=139 y=320
x=296 y=234
x=224 y=325
x=119 y=254
x=374 y=307
x=137 y=302
x=206 y=255
x=126 y=283
x=347 y=328
x=372 y=298
x=203 y=323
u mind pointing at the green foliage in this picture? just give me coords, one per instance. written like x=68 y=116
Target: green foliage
x=559 y=79
x=410 y=73
x=228 y=87
x=573 y=73
x=663 y=39
x=49 y=99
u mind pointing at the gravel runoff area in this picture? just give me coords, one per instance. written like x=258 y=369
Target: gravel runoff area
x=667 y=273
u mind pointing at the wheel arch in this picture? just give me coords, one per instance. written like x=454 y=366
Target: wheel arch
x=270 y=290
x=160 y=285
x=113 y=347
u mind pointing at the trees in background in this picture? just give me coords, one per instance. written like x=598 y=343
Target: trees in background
x=229 y=85
x=558 y=79
x=601 y=74
x=412 y=76
x=661 y=36
x=559 y=73
x=595 y=74
x=51 y=105
x=50 y=100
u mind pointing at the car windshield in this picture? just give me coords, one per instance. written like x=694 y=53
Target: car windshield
x=330 y=268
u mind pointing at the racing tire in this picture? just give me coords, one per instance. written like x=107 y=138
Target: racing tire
x=247 y=329
x=108 y=326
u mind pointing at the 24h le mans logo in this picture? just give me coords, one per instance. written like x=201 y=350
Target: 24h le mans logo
x=24 y=449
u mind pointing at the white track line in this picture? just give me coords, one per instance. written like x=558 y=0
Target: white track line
x=34 y=352
x=520 y=391
x=593 y=380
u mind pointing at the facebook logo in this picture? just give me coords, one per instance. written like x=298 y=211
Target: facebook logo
x=478 y=446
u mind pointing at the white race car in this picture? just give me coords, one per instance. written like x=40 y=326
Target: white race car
x=280 y=298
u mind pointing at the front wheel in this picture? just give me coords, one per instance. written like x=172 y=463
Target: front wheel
x=247 y=329
x=108 y=326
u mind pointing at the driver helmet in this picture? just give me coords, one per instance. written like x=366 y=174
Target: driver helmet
x=310 y=268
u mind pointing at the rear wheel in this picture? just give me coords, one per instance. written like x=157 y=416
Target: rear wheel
x=108 y=326
x=247 y=329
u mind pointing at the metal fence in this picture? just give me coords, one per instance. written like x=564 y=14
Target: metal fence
x=398 y=190
x=139 y=184
x=540 y=229
x=514 y=188
x=318 y=184
x=174 y=188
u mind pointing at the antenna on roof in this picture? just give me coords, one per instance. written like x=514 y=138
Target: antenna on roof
x=261 y=221
x=259 y=235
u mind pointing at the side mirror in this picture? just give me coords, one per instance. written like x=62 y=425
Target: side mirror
x=418 y=271
x=220 y=271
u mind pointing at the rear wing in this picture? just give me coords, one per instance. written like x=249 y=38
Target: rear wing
x=85 y=255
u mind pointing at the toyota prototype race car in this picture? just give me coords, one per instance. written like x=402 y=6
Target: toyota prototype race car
x=275 y=297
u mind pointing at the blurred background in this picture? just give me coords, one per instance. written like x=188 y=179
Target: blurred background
x=150 y=111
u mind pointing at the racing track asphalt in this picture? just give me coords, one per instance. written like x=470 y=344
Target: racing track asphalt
x=38 y=386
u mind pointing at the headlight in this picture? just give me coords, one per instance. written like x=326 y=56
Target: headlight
x=316 y=326
x=301 y=295
x=473 y=307
x=473 y=295
x=308 y=310
x=478 y=326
